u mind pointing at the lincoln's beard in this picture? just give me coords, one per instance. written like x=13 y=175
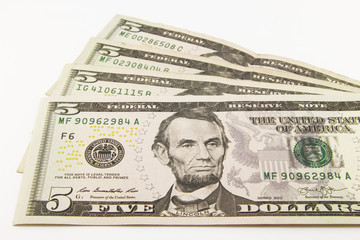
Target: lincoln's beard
x=194 y=181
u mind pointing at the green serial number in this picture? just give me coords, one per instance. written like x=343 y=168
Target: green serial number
x=105 y=121
x=114 y=91
x=314 y=176
x=151 y=41
x=131 y=64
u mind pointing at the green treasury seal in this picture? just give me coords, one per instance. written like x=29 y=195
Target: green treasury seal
x=312 y=152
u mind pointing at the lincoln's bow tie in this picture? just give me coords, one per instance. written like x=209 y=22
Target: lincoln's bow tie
x=190 y=206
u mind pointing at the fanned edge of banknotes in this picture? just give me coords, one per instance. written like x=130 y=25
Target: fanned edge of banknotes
x=180 y=64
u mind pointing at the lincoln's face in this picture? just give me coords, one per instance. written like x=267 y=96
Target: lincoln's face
x=196 y=151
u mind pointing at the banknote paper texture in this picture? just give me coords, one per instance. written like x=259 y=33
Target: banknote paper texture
x=85 y=80
x=140 y=32
x=106 y=53
x=199 y=160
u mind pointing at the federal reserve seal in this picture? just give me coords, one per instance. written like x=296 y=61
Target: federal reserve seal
x=104 y=153
x=312 y=152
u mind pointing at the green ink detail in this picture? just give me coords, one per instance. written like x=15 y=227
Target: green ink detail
x=312 y=152
x=61 y=120
x=347 y=176
x=266 y=175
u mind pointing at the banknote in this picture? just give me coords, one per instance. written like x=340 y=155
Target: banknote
x=200 y=160
x=140 y=32
x=100 y=52
x=85 y=80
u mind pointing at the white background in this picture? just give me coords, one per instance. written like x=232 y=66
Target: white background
x=39 y=37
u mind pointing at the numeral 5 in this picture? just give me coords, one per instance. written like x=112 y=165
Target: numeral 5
x=110 y=51
x=86 y=77
x=67 y=109
x=131 y=27
x=58 y=199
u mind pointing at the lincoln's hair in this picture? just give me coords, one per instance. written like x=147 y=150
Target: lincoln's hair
x=200 y=113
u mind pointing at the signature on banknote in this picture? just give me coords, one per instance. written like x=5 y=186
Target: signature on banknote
x=322 y=191
x=111 y=190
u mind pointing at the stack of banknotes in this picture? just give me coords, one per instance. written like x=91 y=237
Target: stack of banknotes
x=155 y=125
